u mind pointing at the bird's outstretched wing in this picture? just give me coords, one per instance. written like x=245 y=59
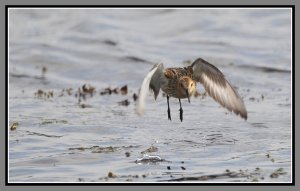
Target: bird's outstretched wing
x=153 y=80
x=218 y=87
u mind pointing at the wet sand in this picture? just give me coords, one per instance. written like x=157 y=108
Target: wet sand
x=72 y=96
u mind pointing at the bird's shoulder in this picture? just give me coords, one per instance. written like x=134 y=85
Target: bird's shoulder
x=170 y=72
x=176 y=72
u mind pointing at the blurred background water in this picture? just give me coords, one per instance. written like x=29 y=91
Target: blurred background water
x=64 y=138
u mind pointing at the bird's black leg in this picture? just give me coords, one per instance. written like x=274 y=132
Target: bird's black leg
x=169 y=113
x=181 y=111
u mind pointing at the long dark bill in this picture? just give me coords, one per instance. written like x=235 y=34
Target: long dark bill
x=187 y=94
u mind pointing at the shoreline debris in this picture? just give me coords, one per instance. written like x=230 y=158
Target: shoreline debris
x=14 y=126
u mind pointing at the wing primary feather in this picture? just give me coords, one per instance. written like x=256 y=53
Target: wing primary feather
x=218 y=87
x=157 y=80
x=145 y=88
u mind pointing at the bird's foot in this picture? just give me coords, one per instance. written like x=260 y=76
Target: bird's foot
x=181 y=112
x=169 y=114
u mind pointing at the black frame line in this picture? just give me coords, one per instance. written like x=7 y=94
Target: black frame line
x=151 y=183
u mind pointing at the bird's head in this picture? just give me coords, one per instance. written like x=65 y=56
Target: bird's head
x=186 y=88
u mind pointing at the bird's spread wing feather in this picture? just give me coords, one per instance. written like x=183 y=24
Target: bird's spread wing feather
x=218 y=87
x=153 y=81
x=157 y=79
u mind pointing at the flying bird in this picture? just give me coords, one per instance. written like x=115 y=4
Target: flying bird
x=181 y=83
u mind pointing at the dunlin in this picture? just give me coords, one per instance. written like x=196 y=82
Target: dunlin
x=181 y=83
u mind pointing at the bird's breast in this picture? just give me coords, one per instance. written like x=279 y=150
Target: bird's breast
x=171 y=86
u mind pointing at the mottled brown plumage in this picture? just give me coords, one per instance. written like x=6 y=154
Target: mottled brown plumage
x=181 y=83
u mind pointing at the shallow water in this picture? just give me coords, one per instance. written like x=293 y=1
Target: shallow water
x=66 y=138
